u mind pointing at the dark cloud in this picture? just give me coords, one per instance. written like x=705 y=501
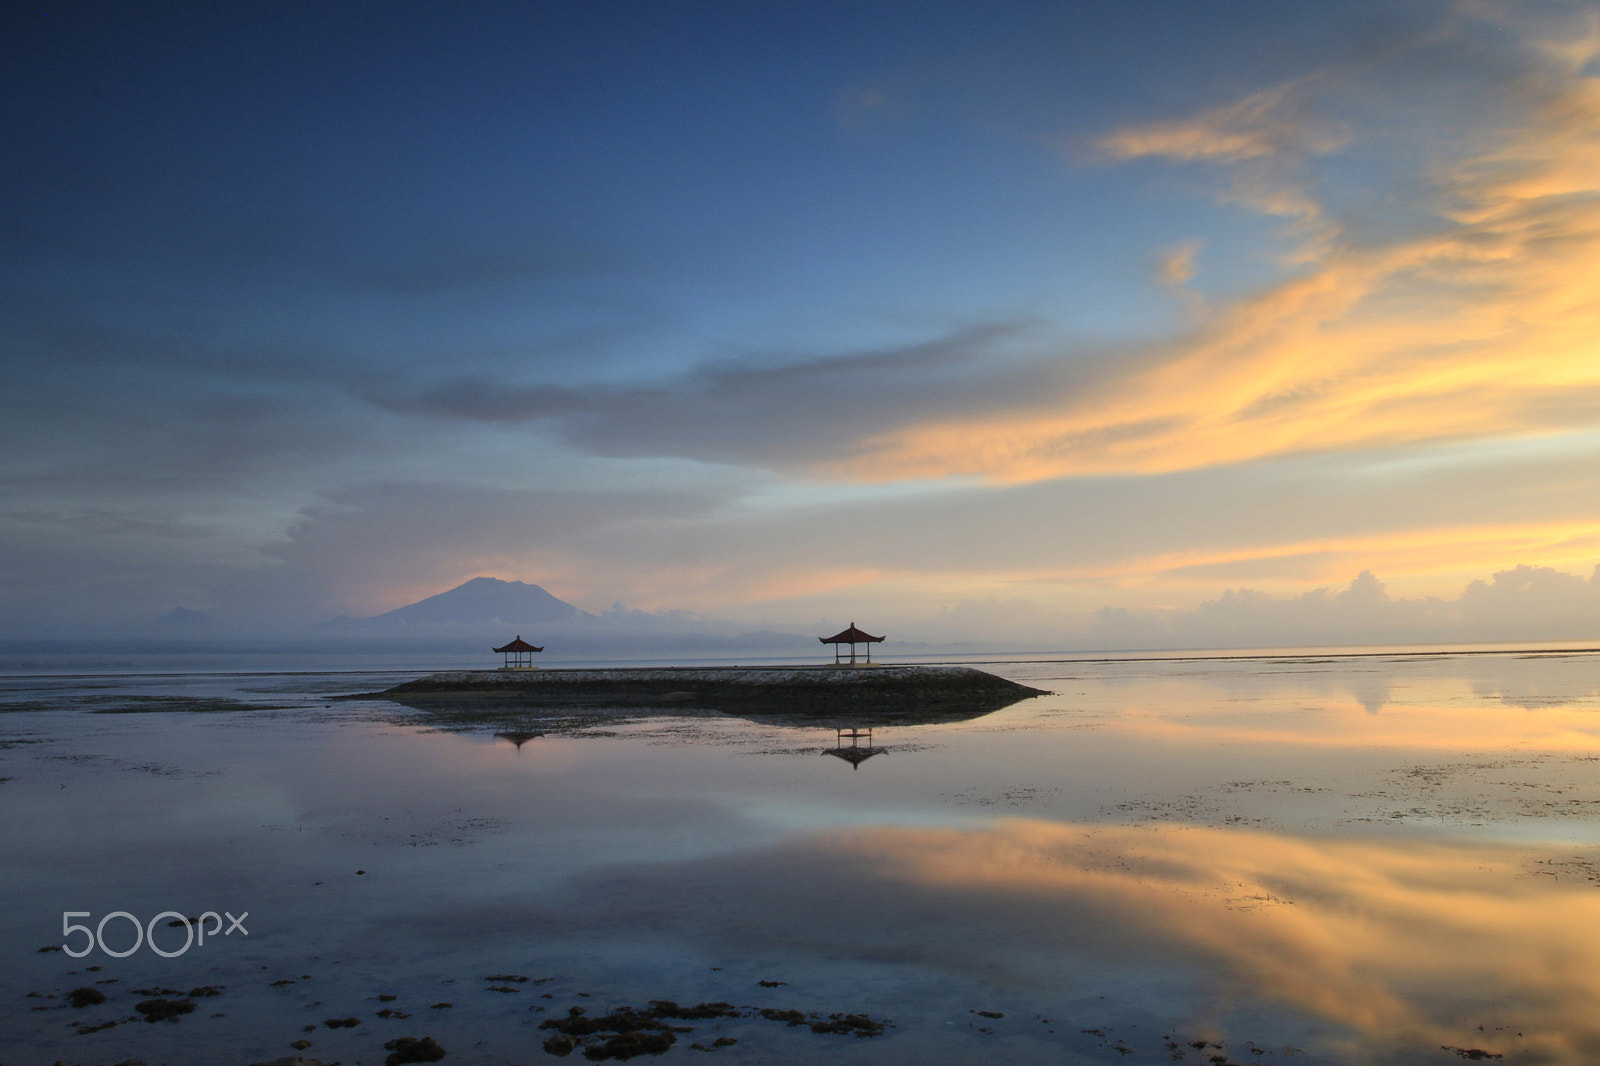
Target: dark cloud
x=769 y=410
x=440 y=271
x=99 y=572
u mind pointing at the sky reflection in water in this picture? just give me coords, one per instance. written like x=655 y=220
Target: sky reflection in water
x=1330 y=861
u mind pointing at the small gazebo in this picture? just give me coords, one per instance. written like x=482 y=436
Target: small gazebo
x=852 y=637
x=518 y=654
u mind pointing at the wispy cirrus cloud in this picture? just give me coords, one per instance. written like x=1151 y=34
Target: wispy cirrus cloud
x=1272 y=122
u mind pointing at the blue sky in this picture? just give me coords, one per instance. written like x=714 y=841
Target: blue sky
x=933 y=313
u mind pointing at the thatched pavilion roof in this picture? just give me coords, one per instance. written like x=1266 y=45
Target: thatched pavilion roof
x=851 y=636
x=518 y=645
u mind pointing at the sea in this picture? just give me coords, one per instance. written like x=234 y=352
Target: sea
x=1304 y=857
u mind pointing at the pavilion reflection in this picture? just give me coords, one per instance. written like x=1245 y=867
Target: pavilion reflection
x=855 y=753
x=519 y=738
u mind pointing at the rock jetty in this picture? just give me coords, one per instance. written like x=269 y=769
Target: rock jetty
x=735 y=689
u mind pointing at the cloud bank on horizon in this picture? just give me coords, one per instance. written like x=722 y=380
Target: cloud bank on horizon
x=968 y=320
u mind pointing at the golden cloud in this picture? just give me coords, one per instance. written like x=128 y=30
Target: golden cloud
x=1483 y=327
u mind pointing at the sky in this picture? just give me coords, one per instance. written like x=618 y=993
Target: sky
x=1012 y=320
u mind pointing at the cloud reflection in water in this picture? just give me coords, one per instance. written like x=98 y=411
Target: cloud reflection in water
x=1404 y=943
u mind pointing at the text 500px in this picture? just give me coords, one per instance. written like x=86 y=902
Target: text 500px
x=147 y=934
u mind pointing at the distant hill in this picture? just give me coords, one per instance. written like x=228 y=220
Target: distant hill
x=183 y=617
x=484 y=601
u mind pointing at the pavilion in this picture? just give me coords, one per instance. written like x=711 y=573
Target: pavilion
x=852 y=637
x=518 y=655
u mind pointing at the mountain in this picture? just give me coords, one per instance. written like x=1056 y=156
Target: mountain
x=482 y=601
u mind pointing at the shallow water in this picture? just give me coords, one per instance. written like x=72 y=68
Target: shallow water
x=1314 y=860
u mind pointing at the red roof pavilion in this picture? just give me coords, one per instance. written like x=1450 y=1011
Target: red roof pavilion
x=852 y=637
x=519 y=654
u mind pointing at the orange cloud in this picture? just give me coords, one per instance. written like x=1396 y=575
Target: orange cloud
x=1484 y=327
x=1266 y=123
x=1448 y=550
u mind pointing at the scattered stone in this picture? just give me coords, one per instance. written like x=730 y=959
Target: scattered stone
x=987 y=1013
x=164 y=1010
x=1471 y=1052
x=410 y=1049
x=626 y=1045
x=624 y=1019
x=792 y=1017
x=386 y=998
x=301 y=1045
x=561 y=1044
x=86 y=997
x=390 y=1012
x=503 y=978
x=631 y=1031
x=858 y=1025
x=665 y=1008
x=341 y=1023
x=440 y=1006
x=772 y=984
x=204 y=991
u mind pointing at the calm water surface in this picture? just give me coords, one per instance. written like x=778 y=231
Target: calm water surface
x=1386 y=859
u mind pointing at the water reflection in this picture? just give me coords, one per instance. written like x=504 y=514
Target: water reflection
x=1529 y=681
x=855 y=753
x=1342 y=879
x=1404 y=947
x=469 y=713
